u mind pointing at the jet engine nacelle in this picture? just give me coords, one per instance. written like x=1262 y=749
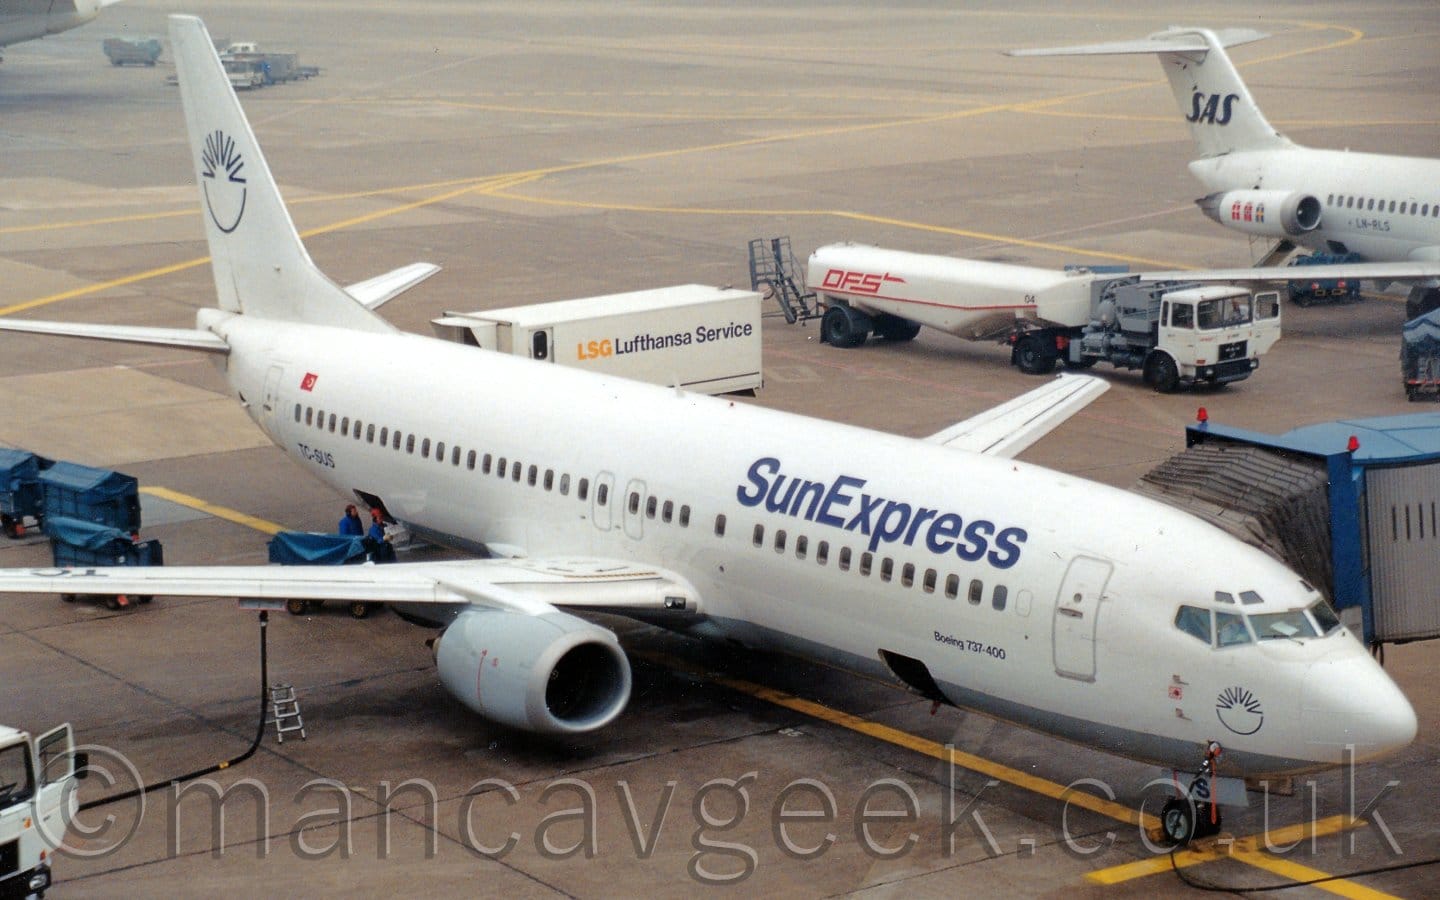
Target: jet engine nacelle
x=1268 y=213
x=552 y=673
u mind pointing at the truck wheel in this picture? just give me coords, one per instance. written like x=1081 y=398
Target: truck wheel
x=1035 y=355
x=895 y=329
x=1161 y=373
x=844 y=327
x=9 y=526
x=359 y=609
x=295 y=606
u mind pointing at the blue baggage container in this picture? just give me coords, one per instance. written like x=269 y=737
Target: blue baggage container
x=305 y=548
x=101 y=496
x=21 y=496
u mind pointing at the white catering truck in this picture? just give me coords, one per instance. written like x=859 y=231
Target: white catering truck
x=705 y=339
x=1175 y=333
x=37 y=802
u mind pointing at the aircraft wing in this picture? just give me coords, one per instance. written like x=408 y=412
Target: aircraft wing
x=1009 y=428
x=374 y=291
x=531 y=586
x=1387 y=271
x=1174 y=40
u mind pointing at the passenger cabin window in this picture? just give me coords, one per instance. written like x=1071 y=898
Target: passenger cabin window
x=565 y=485
x=802 y=546
x=844 y=559
x=515 y=471
x=470 y=460
x=685 y=516
x=998 y=596
x=758 y=536
x=634 y=502
x=602 y=494
x=455 y=457
x=720 y=525
x=651 y=505
x=867 y=559
x=485 y=462
x=929 y=584
x=424 y=448
x=907 y=574
x=410 y=443
x=780 y=540
x=549 y=479
x=583 y=489
x=952 y=586
x=332 y=423
x=1195 y=622
x=822 y=552
x=887 y=568
x=370 y=433
x=345 y=426
x=667 y=512
x=532 y=475
x=297 y=412
x=395 y=439
x=977 y=588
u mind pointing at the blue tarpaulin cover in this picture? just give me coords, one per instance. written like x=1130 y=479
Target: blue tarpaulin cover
x=20 y=492
x=304 y=548
x=86 y=535
x=1423 y=333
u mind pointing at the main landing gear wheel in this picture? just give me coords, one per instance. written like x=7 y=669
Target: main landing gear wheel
x=844 y=327
x=1161 y=373
x=1035 y=355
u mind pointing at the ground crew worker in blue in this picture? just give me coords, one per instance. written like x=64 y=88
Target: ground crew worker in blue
x=375 y=540
x=350 y=523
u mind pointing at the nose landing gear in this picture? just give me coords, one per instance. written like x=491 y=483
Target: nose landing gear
x=1194 y=814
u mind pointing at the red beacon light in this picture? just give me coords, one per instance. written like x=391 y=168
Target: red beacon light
x=1354 y=444
x=1202 y=415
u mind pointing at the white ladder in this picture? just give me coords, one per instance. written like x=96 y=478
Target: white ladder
x=285 y=712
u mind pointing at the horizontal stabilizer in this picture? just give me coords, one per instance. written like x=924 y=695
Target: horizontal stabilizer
x=1383 y=272
x=186 y=338
x=1173 y=40
x=374 y=291
x=1011 y=427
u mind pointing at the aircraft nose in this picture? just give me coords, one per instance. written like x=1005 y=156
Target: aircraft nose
x=1353 y=702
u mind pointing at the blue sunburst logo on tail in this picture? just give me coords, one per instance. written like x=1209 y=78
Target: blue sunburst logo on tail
x=221 y=165
x=1239 y=710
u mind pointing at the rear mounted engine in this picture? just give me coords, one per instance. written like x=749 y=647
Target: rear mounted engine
x=1268 y=213
x=552 y=673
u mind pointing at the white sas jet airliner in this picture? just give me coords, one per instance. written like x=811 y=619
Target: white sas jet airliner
x=1065 y=606
x=1384 y=208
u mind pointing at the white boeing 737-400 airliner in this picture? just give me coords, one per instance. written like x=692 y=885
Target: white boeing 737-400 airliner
x=1384 y=208
x=1065 y=606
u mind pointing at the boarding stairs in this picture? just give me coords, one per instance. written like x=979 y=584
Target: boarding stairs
x=776 y=272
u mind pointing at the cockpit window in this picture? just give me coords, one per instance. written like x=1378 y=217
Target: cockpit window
x=1224 y=597
x=1250 y=598
x=1290 y=624
x=1324 y=616
x=1230 y=627
x=1195 y=622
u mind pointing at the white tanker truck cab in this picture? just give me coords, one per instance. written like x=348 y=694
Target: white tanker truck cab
x=37 y=803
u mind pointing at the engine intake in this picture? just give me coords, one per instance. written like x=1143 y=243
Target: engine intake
x=552 y=673
x=1268 y=213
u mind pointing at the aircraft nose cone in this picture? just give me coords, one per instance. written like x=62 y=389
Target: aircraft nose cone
x=1352 y=702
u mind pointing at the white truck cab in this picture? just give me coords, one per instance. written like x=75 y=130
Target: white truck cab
x=37 y=803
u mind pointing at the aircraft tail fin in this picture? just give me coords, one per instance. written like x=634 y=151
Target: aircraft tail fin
x=1223 y=117
x=261 y=267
